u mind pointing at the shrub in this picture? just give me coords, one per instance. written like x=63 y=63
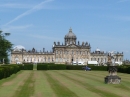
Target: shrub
x=74 y=67
x=128 y=70
x=7 y=70
x=50 y=67
x=56 y=67
x=124 y=69
x=1 y=73
x=100 y=68
x=42 y=67
x=27 y=67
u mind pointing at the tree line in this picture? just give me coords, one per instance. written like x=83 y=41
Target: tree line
x=5 y=47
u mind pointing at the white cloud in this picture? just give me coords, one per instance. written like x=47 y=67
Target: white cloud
x=45 y=37
x=10 y=28
x=15 y=5
x=34 y=9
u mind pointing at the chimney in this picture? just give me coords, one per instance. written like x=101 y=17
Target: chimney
x=43 y=50
x=78 y=43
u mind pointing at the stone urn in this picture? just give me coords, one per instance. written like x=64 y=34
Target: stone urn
x=112 y=78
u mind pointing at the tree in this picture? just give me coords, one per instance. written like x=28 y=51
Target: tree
x=5 y=47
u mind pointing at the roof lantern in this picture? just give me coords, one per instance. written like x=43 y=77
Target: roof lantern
x=70 y=34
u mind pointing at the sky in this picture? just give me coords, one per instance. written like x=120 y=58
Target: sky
x=105 y=24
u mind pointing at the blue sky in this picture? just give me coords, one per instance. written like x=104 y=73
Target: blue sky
x=105 y=24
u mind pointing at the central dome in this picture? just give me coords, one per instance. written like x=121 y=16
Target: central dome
x=70 y=34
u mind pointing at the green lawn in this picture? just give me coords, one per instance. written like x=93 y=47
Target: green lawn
x=63 y=83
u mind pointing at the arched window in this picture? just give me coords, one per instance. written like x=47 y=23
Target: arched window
x=56 y=52
x=45 y=59
x=52 y=59
x=86 y=52
x=80 y=52
x=49 y=59
x=77 y=52
x=41 y=59
x=98 y=59
x=56 y=59
x=16 y=59
x=66 y=52
x=60 y=59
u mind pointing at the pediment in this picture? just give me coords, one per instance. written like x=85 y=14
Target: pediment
x=72 y=46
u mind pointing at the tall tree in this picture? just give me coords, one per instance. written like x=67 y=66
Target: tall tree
x=5 y=47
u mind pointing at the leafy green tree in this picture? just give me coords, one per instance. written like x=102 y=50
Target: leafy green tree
x=5 y=47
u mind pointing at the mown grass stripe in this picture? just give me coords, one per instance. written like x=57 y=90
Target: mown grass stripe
x=94 y=73
x=59 y=89
x=78 y=89
x=11 y=84
x=102 y=93
x=88 y=76
x=13 y=76
x=42 y=86
x=122 y=85
x=27 y=89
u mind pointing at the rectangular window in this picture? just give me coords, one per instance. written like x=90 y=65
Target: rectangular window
x=80 y=52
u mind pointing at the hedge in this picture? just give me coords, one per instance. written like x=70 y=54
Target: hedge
x=68 y=67
x=27 y=67
x=100 y=68
x=74 y=67
x=124 y=69
x=42 y=67
x=50 y=67
x=56 y=67
x=1 y=73
x=7 y=70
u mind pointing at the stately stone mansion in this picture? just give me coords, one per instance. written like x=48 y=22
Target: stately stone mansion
x=66 y=53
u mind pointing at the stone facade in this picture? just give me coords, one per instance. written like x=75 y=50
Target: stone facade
x=67 y=53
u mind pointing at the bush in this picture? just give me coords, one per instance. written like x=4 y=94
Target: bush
x=128 y=70
x=74 y=67
x=1 y=73
x=50 y=67
x=124 y=69
x=67 y=67
x=27 y=67
x=100 y=68
x=42 y=67
x=56 y=67
x=7 y=70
